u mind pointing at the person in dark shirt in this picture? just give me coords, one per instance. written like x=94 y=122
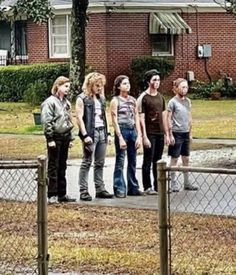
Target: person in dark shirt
x=151 y=105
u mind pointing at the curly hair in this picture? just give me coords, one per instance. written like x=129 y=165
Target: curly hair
x=90 y=80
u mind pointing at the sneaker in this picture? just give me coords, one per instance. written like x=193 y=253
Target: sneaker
x=136 y=193
x=104 y=195
x=52 y=200
x=66 y=198
x=150 y=191
x=174 y=187
x=190 y=187
x=85 y=197
x=120 y=195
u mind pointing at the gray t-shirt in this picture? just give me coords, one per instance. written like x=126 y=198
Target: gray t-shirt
x=180 y=114
x=126 y=111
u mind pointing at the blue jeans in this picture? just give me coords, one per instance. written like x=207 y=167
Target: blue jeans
x=98 y=151
x=150 y=157
x=119 y=184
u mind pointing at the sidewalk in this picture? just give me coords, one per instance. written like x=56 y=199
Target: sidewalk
x=201 y=158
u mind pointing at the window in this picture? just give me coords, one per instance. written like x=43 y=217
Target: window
x=59 y=36
x=162 y=44
x=20 y=38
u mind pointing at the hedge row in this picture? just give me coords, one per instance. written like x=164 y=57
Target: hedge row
x=15 y=80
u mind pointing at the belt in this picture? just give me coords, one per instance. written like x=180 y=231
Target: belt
x=127 y=126
x=100 y=128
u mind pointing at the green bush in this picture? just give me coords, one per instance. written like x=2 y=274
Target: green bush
x=36 y=93
x=15 y=80
x=140 y=65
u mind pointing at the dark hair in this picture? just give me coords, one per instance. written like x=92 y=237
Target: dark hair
x=148 y=75
x=117 y=82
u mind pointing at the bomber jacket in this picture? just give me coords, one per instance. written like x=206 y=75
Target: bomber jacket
x=89 y=114
x=56 y=117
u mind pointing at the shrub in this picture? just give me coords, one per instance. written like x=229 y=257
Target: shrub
x=36 y=93
x=15 y=80
x=140 y=65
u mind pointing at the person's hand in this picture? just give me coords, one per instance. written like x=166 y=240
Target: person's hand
x=71 y=144
x=109 y=139
x=88 y=140
x=190 y=137
x=172 y=140
x=167 y=140
x=146 y=142
x=138 y=142
x=123 y=144
x=52 y=144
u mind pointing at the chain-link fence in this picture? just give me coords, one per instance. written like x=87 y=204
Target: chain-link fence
x=23 y=217
x=200 y=224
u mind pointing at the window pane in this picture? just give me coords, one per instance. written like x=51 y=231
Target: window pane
x=59 y=49
x=5 y=36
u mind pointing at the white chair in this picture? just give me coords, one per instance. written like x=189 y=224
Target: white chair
x=3 y=57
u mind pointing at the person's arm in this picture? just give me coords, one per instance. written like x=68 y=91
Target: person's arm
x=47 y=118
x=109 y=138
x=146 y=141
x=166 y=126
x=190 y=122
x=169 y=127
x=79 y=109
x=114 y=117
x=138 y=128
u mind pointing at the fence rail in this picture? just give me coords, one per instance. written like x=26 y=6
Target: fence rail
x=200 y=226
x=23 y=218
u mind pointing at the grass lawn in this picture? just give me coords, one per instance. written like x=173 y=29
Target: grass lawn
x=210 y=119
x=103 y=240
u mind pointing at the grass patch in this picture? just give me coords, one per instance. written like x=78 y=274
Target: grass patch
x=103 y=240
x=210 y=119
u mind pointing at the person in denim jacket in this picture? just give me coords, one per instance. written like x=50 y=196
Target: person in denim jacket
x=94 y=133
x=126 y=124
x=57 y=125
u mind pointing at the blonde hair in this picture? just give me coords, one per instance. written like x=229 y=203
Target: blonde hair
x=177 y=82
x=58 y=82
x=90 y=80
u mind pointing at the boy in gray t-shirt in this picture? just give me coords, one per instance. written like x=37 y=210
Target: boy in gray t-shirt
x=180 y=126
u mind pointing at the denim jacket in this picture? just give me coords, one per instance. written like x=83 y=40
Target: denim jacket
x=89 y=114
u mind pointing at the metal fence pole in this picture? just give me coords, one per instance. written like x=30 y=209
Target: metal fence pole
x=163 y=226
x=43 y=256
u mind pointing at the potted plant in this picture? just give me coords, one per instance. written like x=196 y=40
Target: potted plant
x=216 y=89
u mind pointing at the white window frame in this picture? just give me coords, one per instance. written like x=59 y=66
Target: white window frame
x=68 y=26
x=157 y=53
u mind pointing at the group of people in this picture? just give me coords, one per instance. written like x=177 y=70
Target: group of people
x=143 y=122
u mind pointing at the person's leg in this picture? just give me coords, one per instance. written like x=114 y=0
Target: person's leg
x=99 y=160
x=158 y=148
x=53 y=163
x=63 y=155
x=133 y=186
x=84 y=171
x=146 y=167
x=185 y=153
x=119 y=184
x=174 y=151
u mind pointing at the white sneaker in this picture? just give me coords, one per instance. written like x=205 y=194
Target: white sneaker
x=52 y=200
x=174 y=187
x=150 y=191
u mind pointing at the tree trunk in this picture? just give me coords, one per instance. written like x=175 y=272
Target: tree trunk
x=78 y=46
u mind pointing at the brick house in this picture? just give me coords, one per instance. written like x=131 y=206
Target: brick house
x=118 y=31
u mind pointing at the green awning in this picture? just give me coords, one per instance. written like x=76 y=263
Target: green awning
x=169 y=23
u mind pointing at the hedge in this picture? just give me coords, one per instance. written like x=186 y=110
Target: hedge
x=15 y=79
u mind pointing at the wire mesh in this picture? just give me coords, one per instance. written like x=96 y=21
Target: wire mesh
x=203 y=223
x=18 y=218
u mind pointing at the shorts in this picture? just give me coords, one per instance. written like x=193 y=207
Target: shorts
x=181 y=146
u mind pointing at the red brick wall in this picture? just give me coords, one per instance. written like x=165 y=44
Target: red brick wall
x=112 y=40
x=37 y=42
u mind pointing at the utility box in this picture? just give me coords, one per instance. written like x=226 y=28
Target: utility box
x=204 y=51
x=207 y=52
x=190 y=76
